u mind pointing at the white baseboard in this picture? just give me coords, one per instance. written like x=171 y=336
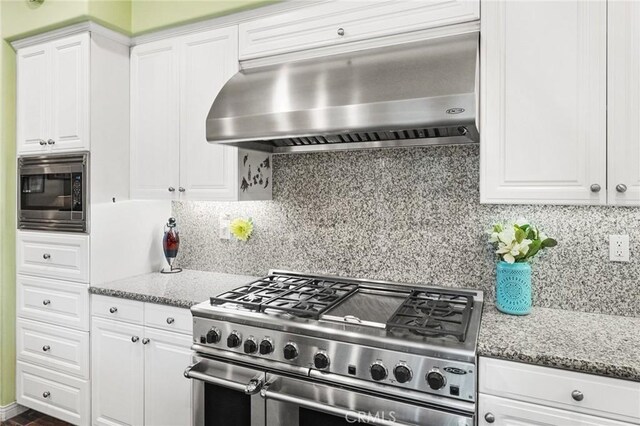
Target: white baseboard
x=11 y=410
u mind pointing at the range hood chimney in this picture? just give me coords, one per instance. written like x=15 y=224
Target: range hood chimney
x=415 y=94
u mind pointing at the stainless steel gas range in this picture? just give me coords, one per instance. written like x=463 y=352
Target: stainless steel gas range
x=295 y=349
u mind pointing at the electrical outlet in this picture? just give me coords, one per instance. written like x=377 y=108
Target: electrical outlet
x=619 y=248
x=223 y=227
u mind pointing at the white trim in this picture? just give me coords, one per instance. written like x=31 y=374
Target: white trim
x=82 y=27
x=223 y=21
x=11 y=410
x=392 y=40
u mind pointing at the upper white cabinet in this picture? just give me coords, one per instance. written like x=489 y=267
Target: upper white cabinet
x=624 y=103
x=339 y=21
x=543 y=102
x=53 y=96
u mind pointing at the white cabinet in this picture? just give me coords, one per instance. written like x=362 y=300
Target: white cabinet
x=53 y=255
x=137 y=370
x=335 y=22
x=543 y=102
x=174 y=83
x=623 y=103
x=53 y=96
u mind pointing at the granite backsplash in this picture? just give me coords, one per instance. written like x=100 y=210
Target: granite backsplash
x=411 y=215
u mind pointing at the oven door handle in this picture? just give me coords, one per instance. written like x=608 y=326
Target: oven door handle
x=251 y=388
x=345 y=413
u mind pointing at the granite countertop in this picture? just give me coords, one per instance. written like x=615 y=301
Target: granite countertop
x=183 y=289
x=606 y=345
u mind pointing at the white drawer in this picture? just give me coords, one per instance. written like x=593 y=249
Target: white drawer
x=117 y=309
x=58 y=395
x=53 y=347
x=318 y=25
x=53 y=255
x=168 y=318
x=53 y=302
x=602 y=396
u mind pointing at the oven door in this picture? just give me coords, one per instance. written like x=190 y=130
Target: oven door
x=225 y=394
x=294 y=402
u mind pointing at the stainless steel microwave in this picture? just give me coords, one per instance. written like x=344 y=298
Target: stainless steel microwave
x=52 y=192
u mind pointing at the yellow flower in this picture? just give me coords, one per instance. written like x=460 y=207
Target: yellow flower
x=241 y=228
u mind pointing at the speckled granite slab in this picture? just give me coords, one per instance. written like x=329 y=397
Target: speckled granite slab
x=600 y=344
x=182 y=290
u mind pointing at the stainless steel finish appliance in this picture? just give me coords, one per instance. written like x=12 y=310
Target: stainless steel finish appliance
x=294 y=349
x=53 y=192
x=419 y=93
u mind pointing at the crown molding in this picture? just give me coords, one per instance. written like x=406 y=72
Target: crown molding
x=82 y=27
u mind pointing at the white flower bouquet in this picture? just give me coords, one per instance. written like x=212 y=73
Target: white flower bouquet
x=519 y=242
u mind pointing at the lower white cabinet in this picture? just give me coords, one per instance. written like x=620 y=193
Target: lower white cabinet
x=137 y=370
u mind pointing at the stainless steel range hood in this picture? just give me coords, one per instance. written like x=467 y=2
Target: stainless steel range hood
x=420 y=93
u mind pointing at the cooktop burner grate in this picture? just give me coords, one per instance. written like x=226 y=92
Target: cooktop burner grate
x=300 y=296
x=434 y=313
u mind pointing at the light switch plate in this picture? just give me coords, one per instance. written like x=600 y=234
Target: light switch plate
x=619 y=248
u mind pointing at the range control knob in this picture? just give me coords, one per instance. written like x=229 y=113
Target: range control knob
x=250 y=346
x=234 y=340
x=213 y=335
x=402 y=373
x=266 y=347
x=378 y=371
x=321 y=360
x=436 y=380
x=290 y=351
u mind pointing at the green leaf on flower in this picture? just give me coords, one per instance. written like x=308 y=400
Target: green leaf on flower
x=549 y=242
x=520 y=235
x=533 y=249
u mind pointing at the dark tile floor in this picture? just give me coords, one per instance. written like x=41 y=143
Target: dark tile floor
x=33 y=418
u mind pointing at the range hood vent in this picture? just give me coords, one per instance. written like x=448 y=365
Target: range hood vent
x=417 y=94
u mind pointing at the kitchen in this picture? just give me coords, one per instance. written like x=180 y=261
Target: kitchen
x=250 y=128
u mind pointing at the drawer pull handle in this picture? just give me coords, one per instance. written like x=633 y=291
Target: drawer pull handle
x=46 y=394
x=340 y=32
x=46 y=348
x=621 y=187
x=134 y=339
x=51 y=142
x=113 y=310
x=42 y=142
x=577 y=395
x=46 y=302
x=170 y=320
x=489 y=418
x=46 y=256
x=145 y=341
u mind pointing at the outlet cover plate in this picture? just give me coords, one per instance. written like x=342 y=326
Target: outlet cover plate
x=619 y=248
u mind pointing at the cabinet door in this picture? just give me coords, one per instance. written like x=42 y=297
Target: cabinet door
x=117 y=373
x=154 y=121
x=69 y=129
x=32 y=99
x=167 y=394
x=624 y=103
x=508 y=412
x=207 y=61
x=543 y=102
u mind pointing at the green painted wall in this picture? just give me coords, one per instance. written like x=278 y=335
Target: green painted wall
x=148 y=15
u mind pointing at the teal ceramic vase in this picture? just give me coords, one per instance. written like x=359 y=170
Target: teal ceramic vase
x=513 y=288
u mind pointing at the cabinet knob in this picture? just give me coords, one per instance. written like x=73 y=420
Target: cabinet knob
x=595 y=188
x=171 y=189
x=46 y=348
x=134 y=339
x=113 y=310
x=145 y=341
x=46 y=394
x=621 y=187
x=577 y=395
x=42 y=142
x=181 y=189
x=46 y=256
x=170 y=320
x=340 y=32
x=489 y=418
x=51 y=142
x=46 y=302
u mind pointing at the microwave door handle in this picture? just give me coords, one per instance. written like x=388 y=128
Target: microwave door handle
x=266 y=393
x=252 y=387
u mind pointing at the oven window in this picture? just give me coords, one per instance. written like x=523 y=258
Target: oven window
x=316 y=418
x=226 y=407
x=52 y=192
